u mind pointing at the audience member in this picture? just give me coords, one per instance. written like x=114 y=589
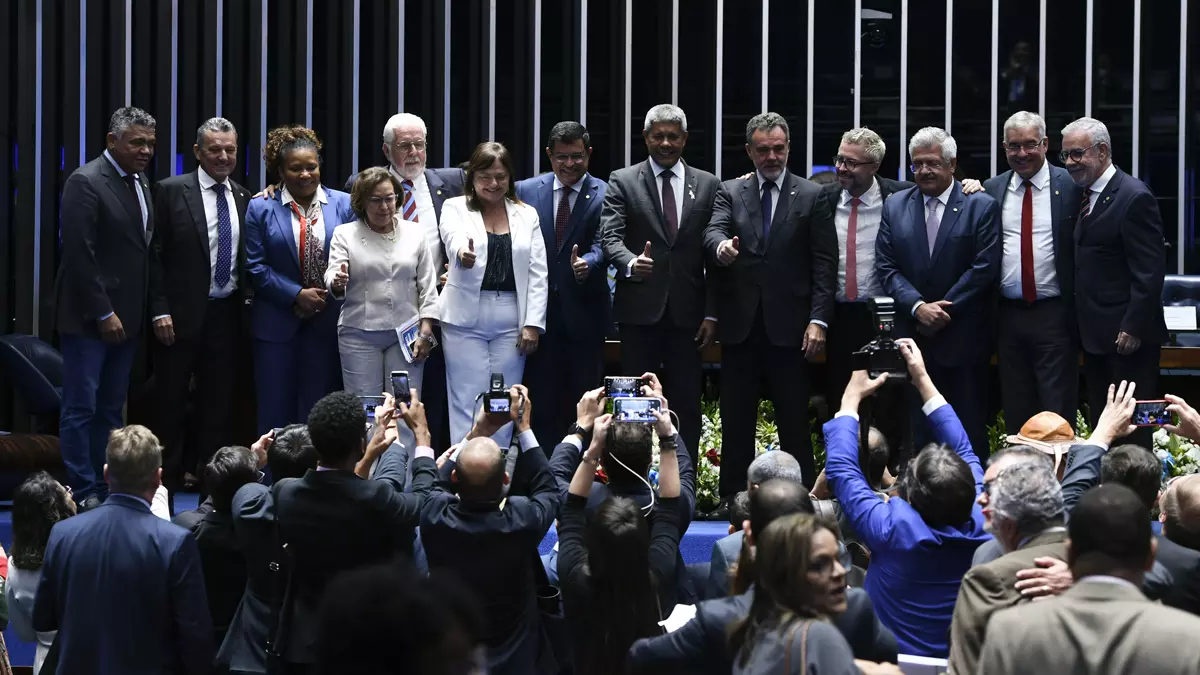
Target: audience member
x=119 y=576
x=1180 y=515
x=1049 y=433
x=1102 y=624
x=1005 y=457
x=921 y=541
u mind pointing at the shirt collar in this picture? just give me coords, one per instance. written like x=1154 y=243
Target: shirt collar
x=420 y=179
x=1105 y=579
x=207 y=181
x=944 y=198
x=120 y=171
x=658 y=168
x=320 y=197
x=778 y=181
x=1102 y=181
x=1040 y=179
x=578 y=186
x=868 y=198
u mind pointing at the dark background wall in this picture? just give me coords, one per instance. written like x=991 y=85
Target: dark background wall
x=69 y=63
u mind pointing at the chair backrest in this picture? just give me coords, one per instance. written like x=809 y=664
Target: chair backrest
x=35 y=370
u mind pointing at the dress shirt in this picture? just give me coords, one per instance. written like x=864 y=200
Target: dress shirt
x=926 y=409
x=676 y=186
x=426 y=215
x=1098 y=186
x=319 y=228
x=209 y=196
x=939 y=203
x=573 y=195
x=141 y=193
x=1105 y=579
x=866 y=229
x=762 y=180
x=390 y=281
x=1044 y=273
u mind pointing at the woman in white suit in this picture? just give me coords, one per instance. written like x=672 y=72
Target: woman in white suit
x=493 y=307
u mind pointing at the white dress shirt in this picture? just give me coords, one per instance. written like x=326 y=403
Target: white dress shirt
x=573 y=195
x=426 y=215
x=1044 y=273
x=934 y=205
x=209 y=197
x=676 y=187
x=141 y=194
x=319 y=228
x=1098 y=186
x=866 y=229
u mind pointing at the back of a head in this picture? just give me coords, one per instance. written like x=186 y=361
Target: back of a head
x=1109 y=533
x=939 y=486
x=1181 y=510
x=618 y=537
x=291 y=454
x=739 y=509
x=878 y=454
x=773 y=464
x=134 y=458
x=774 y=499
x=479 y=471
x=230 y=468
x=38 y=503
x=1028 y=494
x=1020 y=453
x=633 y=445
x=337 y=426
x=1134 y=467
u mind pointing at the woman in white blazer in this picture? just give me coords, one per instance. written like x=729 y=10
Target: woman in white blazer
x=493 y=307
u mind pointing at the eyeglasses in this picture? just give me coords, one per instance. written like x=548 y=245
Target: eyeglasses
x=407 y=146
x=932 y=166
x=381 y=202
x=851 y=164
x=1028 y=146
x=576 y=158
x=1076 y=154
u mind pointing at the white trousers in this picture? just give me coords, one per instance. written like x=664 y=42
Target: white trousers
x=473 y=354
x=368 y=359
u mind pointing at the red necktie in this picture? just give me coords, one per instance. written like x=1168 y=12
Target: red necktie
x=410 y=201
x=562 y=216
x=852 y=252
x=1028 y=285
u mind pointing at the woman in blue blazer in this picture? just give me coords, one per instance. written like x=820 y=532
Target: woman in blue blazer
x=294 y=319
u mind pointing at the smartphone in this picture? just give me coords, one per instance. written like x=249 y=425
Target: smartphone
x=370 y=403
x=1151 y=413
x=624 y=387
x=635 y=409
x=400 y=388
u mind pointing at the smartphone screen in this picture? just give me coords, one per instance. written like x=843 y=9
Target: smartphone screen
x=622 y=387
x=370 y=403
x=1151 y=413
x=400 y=388
x=635 y=409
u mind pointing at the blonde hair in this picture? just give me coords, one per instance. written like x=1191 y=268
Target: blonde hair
x=134 y=457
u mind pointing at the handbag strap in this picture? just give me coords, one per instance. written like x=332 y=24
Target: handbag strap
x=787 y=654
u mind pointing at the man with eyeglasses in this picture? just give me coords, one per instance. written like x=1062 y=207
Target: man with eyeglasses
x=937 y=255
x=570 y=358
x=1119 y=268
x=1038 y=340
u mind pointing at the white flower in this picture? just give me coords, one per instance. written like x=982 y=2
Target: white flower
x=1193 y=453
x=1161 y=437
x=1161 y=454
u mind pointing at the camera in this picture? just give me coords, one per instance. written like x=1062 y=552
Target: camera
x=882 y=355
x=496 y=398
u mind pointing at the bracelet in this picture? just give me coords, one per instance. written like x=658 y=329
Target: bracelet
x=591 y=460
x=426 y=338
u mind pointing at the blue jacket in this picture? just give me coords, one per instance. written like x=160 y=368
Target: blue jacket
x=915 y=569
x=125 y=592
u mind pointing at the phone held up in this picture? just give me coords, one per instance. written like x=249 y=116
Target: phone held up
x=400 y=387
x=1151 y=413
x=639 y=409
x=624 y=387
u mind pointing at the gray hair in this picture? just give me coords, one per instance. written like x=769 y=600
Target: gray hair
x=773 y=464
x=214 y=125
x=870 y=141
x=1094 y=128
x=1028 y=494
x=127 y=117
x=134 y=457
x=665 y=113
x=402 y=120
x=1021 y=453
x=766 y=122
x=933 y=137
x=1023 y=120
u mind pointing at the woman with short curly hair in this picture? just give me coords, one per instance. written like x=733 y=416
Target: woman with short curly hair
x=294 y=321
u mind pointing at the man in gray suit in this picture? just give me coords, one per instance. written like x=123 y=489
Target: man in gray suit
x=1102 y=624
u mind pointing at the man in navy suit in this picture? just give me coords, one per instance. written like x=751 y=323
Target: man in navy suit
x=1038 y=340
x=1119 y=269
x=570 y=359
x=937 y=256
x=123 y=587
x=100 y=293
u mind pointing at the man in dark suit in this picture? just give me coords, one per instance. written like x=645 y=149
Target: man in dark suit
x=1119 y=268
x=197 y=291
x=570 y=357
x=772 y=237
x=1038 y=340
x=937 y=256
x=652 y=230
x=107 y=222
x=119 y=576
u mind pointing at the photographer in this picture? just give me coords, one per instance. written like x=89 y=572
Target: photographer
x=921 y=541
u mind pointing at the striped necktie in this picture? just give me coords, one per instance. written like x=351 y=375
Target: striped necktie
x=409 y=211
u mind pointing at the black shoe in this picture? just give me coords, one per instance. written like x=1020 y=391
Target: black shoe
x=88 y=504
x=721 y=512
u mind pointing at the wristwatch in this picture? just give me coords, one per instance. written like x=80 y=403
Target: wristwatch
x=579 y=431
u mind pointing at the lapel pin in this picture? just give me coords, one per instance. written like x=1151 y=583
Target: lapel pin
x=1056 y=192
x=691 y=195
x=1107 y=198
x=439 y=193
x=793 y=193
x=587 y=196
x=956 y=208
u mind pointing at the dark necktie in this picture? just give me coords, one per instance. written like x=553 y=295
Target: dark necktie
x=668 y=203
x=131 y=183
x=1085 y=204
x=1028 y=285
x=766 y=208
x=562 y=216
x=852 y=251
x=221 y=274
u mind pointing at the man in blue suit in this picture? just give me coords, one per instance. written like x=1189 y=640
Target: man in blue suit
x=570 y=359
x=123 y=587
x=937 y=256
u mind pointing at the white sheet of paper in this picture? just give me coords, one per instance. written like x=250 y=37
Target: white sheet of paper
x=679 y=616
x=1180 y=318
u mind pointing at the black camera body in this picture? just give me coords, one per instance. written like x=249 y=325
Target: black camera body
x=882 y=355
x=496 y=398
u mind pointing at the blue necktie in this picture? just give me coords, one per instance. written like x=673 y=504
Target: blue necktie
x=766 y=208
x=224 y=239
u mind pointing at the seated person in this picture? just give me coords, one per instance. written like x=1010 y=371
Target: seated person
x=1000 y=460
x=922 y=540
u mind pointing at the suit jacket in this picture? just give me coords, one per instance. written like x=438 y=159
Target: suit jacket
x=222 y=562
x=832 y=192
x=253 y=512
x=792 y=275
x=962 y=269
x=1094 y=627
x=273 y=263
x=631 y=217
x=726 y=552
x=120 y=575
x=1120 y=263
x=585 y=306
x=105 y=262
x=460 y=227
x=333 y=521
x=987 y=589
x=180 y=266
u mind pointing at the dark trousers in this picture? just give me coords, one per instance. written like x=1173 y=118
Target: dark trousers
x=558 y=374
x=1101 y=370
x=1039 y=362
x=94 y=387
x=211 y=357
x=669 y=352
x=433 y=395
x=745 y=367
x=289 y=377
x=965 y=389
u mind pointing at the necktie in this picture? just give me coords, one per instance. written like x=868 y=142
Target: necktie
x=131 y=183
x=221 y=273
x=1085 y=204
x=932 y=223
x=1028 y=285
x=852 y=252
x=668 y=204
x=312 y=258
x=766 y=208
x=410 y=202
x=562 y=216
